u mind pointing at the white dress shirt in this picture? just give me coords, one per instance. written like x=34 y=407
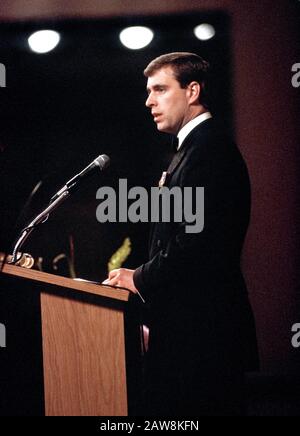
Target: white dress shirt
x=183 y=133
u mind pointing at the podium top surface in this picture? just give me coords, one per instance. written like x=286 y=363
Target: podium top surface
x=65 y=282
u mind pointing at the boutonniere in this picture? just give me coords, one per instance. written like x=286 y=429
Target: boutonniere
x=162 y=180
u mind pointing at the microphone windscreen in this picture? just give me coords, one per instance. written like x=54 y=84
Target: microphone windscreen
x=102 y=161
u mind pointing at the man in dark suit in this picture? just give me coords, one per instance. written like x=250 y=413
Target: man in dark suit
x=202 y=334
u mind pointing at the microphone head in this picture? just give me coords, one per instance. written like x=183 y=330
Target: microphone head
x=102 y=161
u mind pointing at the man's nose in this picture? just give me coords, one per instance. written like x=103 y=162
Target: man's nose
x=150 y=101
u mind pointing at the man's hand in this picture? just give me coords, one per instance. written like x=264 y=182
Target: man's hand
x=121 y=277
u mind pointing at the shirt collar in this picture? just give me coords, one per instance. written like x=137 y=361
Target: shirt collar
x=183 y=133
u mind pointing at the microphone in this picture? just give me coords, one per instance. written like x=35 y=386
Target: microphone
x=100 y=162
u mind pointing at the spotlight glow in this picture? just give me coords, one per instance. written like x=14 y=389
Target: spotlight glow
x=136 y=37
x=204 y=32
x=43 y=41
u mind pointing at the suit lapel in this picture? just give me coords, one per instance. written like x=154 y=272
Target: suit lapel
x=176 y=161
x=184 y=146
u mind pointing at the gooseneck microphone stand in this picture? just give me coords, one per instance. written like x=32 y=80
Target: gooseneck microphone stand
x=100 y=162
x=40 y=219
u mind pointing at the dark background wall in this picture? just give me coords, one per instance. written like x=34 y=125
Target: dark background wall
x=264 y=45
x=59 y=111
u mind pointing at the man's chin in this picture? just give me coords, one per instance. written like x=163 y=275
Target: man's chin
x=162 y=128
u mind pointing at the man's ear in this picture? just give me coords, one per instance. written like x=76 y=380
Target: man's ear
x=194 y=92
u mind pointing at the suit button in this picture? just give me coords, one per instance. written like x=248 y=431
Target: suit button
x=158 y=243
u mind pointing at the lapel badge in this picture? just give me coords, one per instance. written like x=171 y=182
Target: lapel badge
x=162 y=179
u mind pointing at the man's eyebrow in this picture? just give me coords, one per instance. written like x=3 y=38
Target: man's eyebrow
x=156 y=87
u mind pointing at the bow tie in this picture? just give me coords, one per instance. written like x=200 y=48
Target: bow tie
x=175 y=142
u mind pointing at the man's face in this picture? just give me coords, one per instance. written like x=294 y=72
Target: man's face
x=169 y=103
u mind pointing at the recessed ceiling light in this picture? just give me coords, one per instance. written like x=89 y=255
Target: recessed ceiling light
x=136 y=37
x=204 y=32
x=43 y=41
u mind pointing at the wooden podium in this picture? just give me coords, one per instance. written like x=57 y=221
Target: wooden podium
x=83 y=343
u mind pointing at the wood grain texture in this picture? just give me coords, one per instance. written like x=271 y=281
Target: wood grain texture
x=84 y=358
x=64 y=282
x=83 y=344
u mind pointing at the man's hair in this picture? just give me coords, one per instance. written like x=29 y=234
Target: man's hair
x=187 y=68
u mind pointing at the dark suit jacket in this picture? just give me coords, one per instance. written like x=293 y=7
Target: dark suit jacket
x=201 y=323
